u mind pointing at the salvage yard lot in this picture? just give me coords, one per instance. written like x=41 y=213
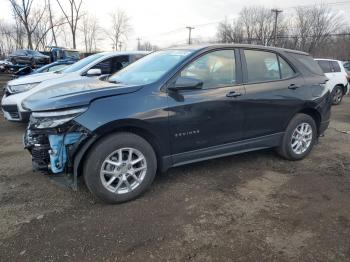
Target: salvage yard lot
x=250 y=207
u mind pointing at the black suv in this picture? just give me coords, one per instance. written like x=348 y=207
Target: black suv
x=175 y=107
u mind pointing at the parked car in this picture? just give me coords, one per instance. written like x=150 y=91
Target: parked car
x=28 y=57
x=175 y=107
x=93 y=66
x=338 y=83
x=53 y=67
x=346 y=65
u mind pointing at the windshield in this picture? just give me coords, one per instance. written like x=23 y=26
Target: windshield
x=150 y=68
x=82 y=63
x=72 y=54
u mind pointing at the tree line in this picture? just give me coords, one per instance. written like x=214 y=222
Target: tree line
x=318 y=30
x=36 y=26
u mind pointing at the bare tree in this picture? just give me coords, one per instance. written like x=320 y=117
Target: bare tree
x=23 y=11
x=51 y=18
x=230 y=32
x=254 y=25
x=147 y=46
x=90 y=30
x=120 y=27
x=313 y=26
x=72 y=16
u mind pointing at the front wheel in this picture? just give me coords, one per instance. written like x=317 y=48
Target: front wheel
x=120 y=167
x=337 y=95
x=299 y=138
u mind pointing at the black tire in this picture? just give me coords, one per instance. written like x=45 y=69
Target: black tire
x=102 y=150
x=285 y=149
x=337 y=95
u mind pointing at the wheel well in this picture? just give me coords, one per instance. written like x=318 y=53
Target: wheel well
x=342 y=87
x=315 y=115
x=131 y=129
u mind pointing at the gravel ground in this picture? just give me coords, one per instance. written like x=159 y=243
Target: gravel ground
x=250 y=207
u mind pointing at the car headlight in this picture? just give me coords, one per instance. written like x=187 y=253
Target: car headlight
x=21 y=88
x=51 y=119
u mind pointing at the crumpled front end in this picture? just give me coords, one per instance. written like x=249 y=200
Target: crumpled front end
x=53 y=148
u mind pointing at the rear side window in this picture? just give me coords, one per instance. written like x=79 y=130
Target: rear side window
x=286 y=70
x=335 y=67
x=325 y=65
x=265 y=66
x=309 y=63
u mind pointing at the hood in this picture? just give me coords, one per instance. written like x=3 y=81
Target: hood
x=74 y=94
x=36 y=78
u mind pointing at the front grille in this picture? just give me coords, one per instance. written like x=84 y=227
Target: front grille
x=41 y=153
x=12 y=110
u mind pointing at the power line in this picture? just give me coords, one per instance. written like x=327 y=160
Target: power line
x=218 y=21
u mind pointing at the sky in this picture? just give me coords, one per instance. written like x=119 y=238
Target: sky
x=163 y=22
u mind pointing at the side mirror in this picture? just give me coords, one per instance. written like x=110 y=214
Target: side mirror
x=94 y=72
x=186 y=83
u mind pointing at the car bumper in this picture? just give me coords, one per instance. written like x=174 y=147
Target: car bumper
x=12 y=112
x=323 y=127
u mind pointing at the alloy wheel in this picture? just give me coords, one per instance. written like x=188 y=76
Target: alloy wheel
x=337 y=97
x=123 y=170
x=301 y=138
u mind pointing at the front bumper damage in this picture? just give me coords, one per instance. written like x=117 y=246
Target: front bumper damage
x=53 y=150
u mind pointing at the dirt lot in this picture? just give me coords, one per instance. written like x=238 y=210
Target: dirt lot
x=251 y=207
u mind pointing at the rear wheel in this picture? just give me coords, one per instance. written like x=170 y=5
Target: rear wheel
x=120 y=167
x=299 y=138
x=337 y=95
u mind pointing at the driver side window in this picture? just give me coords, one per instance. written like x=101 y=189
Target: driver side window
x=215 y=69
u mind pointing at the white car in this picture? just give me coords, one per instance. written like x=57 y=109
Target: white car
x=92 y=66
x=338 y=83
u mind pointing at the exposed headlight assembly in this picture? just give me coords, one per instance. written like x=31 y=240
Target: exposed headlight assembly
x=21 y=88
x=51 y=119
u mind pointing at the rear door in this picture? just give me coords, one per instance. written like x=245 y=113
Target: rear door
x=273 y=88
x=339 y=75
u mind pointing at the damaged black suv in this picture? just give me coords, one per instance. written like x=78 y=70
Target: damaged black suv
x=175 y=107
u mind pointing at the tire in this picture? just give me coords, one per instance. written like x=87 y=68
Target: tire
x=337 y=95
x=286 y=149
x=116 y=149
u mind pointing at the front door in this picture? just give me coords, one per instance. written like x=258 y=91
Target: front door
x=209 y=117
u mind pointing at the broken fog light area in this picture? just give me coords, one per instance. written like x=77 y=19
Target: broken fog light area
x=58 y=152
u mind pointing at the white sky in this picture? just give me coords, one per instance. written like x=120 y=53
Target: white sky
x=163 y=22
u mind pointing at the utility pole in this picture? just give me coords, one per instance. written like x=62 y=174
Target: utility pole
x=277 y=12
x=120 y=45
x=138 y=43
x=189 y=33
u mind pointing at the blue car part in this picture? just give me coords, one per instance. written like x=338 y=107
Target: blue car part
x=58 y=152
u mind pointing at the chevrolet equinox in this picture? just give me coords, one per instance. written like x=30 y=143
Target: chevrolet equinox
x=174 y=107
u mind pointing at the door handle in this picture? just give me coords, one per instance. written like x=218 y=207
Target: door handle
x=233 y=94
x=293 y=86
